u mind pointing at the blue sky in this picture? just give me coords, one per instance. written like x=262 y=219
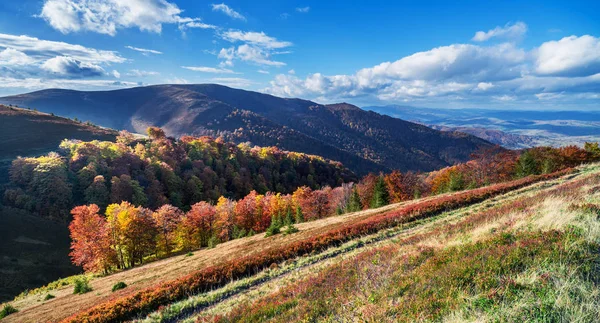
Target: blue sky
x=509 y=54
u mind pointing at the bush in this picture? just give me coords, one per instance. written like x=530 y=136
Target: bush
x=7 y=310
x=189 y=254
x=290 y=229
x=82 y=286
x=49 y=296
x=119 y=285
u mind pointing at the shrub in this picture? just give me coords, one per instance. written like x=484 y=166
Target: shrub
x=290 y=229
x=82 y=286
x=49 y=296
x=189 y=254
x=7 y=310
x=118 y=286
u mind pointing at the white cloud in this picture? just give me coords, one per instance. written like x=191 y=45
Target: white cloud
x=116 y=74
x=508 y=31
x=484 y=86
x=263 y=72
x=106 y=17
x=570 y=56
x=40 y=83
x=70 y=67
x=139 y=73
x=144 y=51
x=258 y=48
x=303 y=9
x=41 y=50
x=13 y=57
x=291 y=72
x=228 y=11
x=254 y=38
x=206 y=69
x=199 y=24
x=247 y=53
x=465 y=72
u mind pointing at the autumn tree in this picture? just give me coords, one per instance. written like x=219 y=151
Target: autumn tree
x=133 y=232
x=196 y=227
x=90 y=240
x=167 y=219
x=224 y=220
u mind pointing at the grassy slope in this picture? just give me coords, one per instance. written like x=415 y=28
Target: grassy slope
x=32 y=308
x=529 y=257
x=30 y=133
x=34 y=251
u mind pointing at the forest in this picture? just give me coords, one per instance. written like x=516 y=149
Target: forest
x=158 y=170
x=140 y=199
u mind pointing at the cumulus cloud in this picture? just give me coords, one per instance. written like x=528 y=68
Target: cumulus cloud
x=106 y=17
x=510 y=31
x=247 y=53
x=303 y=9
x=13 y=57
x=502 y=73
x=257 y=48
x=228 y=11
x=570 y=56
x=70 y=67
x=144 y=51
x=206 y=69
x=116 y=74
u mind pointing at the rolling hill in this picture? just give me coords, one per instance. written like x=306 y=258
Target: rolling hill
x=362 y=140
x=26 y=133
x=493 y=246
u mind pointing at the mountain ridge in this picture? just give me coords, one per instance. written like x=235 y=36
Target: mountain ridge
x=362 y=140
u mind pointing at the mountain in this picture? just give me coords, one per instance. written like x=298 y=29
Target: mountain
x=26 y=132
x=512 y=129
x=364 y=141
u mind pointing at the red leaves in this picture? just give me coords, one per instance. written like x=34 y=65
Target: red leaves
x=90 y=239
x=212 y=277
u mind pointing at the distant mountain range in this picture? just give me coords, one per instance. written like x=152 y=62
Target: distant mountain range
x=364 y=141
x=510 y=128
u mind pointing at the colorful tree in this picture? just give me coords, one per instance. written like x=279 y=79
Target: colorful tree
x=167 y=219
x=224 y=220
x=90 y=240
x=196 y=227
x=133 y=232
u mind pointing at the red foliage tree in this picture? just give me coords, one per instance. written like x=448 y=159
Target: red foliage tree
x=90 y=239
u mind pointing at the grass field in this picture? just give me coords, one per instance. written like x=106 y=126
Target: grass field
x=460 y=225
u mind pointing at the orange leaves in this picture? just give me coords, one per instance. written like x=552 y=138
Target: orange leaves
x=90 y=239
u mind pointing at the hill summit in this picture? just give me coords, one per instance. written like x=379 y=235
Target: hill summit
x=364 y=141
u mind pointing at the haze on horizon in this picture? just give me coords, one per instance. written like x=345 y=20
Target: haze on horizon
x=509 y=55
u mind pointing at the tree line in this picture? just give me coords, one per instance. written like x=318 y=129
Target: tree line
x=129 y=234
x=158 y=170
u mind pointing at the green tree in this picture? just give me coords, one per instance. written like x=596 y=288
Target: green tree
x=354 y=203
x=381 y=196
x=526 y=165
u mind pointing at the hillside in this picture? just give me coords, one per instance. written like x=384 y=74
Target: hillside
x=376 y=257
x=363 y=141
x=31 y=133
